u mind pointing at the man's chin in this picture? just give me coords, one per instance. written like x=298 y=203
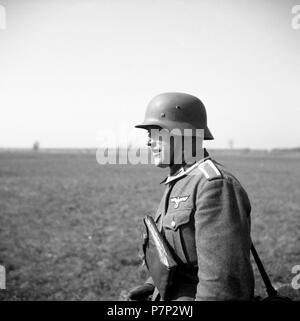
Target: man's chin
x=160 y=164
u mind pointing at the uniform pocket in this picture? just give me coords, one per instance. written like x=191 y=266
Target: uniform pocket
x=178 y=218
x=179 y=230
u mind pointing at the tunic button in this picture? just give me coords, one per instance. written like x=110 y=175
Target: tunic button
x=173 y=224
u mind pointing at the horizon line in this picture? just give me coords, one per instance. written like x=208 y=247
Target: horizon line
x=139 y=147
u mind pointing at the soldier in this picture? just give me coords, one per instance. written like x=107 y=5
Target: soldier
x=204 y=213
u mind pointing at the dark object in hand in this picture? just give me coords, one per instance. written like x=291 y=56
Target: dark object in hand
x=159 y=258
x=141 y=292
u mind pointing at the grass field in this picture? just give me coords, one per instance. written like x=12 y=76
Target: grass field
x=70 y=229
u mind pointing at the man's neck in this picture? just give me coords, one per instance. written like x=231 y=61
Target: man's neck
x=176 y=167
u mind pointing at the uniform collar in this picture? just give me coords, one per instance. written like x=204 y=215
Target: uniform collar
x=185 y=169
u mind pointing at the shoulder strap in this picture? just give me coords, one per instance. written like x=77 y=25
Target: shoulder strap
x=269 y=287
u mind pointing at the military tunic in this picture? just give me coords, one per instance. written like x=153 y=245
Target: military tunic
x=205 y=216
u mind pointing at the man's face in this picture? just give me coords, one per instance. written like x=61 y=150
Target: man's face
x=166 y=150
x=159 y=143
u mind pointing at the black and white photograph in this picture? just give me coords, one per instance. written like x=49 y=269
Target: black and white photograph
x=150 y=151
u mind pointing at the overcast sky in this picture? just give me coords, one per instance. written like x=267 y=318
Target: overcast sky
x=72 y=72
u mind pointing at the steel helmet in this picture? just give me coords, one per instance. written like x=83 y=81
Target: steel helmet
x=176 y=110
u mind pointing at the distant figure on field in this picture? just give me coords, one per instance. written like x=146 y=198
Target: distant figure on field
x=36 y=146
